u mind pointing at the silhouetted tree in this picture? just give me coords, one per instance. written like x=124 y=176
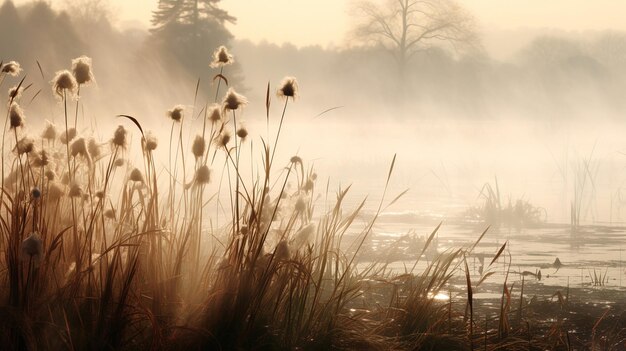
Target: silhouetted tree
x=405 y=27
x=51 y=35
x=189 y=30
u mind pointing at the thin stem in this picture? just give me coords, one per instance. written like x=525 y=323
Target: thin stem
x=76 y=113
x=280 y=125
x=236 y=173
x=70 y=176
x=219 y=82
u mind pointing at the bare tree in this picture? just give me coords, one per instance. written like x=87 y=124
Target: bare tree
x=404 y=27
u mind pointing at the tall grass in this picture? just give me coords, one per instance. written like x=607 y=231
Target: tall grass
x=99 y=253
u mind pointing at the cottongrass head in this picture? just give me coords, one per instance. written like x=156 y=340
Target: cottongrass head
x=49 y=132
x=94 y=149
x=150 y=142
x=300 y=205
x=233 y=100
x=221 y=57
x=32 y=248
x=63 y=83
x=222 y=139
x=120 y=137
x=308 y=185
x=198 y=147
x=16 y=115
x=79 y=147
x=215 y=113
x=288 y=88
x=40 y=159
x=35 y=192
x=176 y=113
x=109 y=213
x=11 y=68
x=50 y=175
x=136 y=176
x=15 y=93
x=203 y=175
x=296 y=160
x=242 y=132
x=75 y=190
x=81 y=68
x=68 y=136
x=25 y=145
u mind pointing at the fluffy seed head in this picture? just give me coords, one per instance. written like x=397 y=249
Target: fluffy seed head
x=79 y=147
x=223 y=139
x=136 y=176
x=35 y=192
x=221 y=57
x=24 y=145
x=308 y=186
x=81 y=68
x=16 y=115
x=215 y=113
x=93 y=148
x=296 y=159
x=119 y=137
x=242 y=132
x=32 y=248
x=151 y=142
x=50 y=131
x=110 y=214
x=40 y=159
x=198 y=146
x=63 y=83
x=203 y=175
x=12 y=68
x=15 y=93
x=50 y=175
x=75 y=190
x=288 y=88
x=300 y=204
x=176 y=113
x=119 y=162
x=232 y=100
x=71 y=134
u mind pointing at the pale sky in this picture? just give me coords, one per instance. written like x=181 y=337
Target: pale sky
x=325 y=22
